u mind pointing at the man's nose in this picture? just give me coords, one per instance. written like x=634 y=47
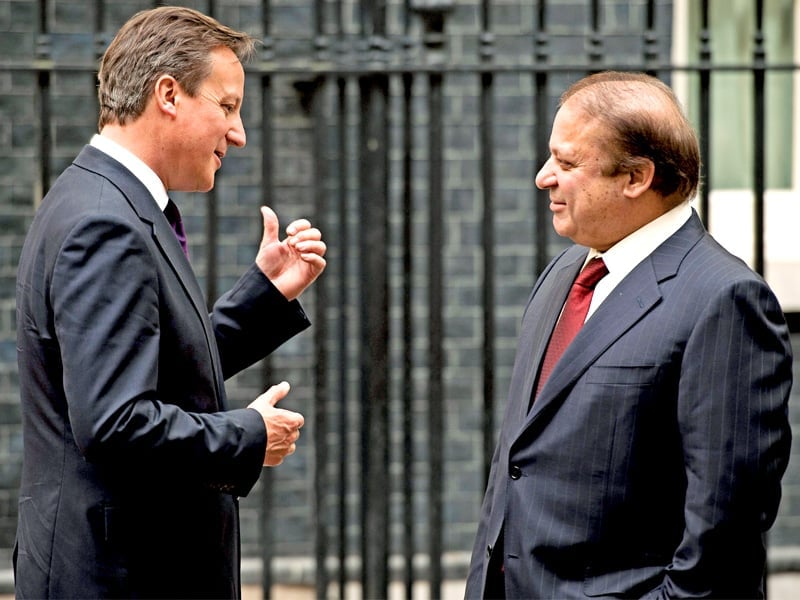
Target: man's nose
x=546 y=178
x=236 y=134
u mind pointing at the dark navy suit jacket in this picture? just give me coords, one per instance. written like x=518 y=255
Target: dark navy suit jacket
x=131 y=469
x=650 y=464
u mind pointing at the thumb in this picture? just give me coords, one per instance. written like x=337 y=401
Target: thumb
x=277 y=392
x=270 y=225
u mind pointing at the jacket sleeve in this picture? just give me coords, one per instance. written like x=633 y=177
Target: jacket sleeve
x=252 y=320
x=735 y=380
x=105 y=304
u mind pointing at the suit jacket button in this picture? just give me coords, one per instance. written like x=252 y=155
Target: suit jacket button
x=515 y=472
x=489 y=551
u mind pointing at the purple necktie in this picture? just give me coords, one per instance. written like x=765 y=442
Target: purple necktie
x=174 y=217
x=572 y=317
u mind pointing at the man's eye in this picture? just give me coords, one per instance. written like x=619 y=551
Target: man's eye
x=565 y=164
x=228 y=108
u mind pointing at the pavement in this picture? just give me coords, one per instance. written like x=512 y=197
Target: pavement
x=780 y=586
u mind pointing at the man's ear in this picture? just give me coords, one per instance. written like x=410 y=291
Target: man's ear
x=166 y=91
x=640 y=178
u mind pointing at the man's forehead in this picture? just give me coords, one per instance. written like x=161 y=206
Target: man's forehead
x=226 y=72
x=223 y=60
x=575 y=128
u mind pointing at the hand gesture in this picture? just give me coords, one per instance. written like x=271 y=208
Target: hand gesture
x=283 y=426
x=294 y=263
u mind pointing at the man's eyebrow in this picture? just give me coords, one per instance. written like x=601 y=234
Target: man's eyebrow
x=230 y=98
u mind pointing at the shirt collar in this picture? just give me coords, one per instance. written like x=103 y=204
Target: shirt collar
x=633 y=249
x=135 y=165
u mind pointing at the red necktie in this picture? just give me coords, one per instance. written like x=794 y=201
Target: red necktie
x=572 y=317
x=174 y=218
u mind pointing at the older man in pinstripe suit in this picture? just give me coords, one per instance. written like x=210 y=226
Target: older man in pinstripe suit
x=646 y=460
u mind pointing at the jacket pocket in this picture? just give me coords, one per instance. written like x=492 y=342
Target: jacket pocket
x=635 y=375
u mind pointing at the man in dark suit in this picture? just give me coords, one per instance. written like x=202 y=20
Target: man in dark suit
x=132 y=462
x=646 y=460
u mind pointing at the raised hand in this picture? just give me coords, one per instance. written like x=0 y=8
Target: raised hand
x=294 y=263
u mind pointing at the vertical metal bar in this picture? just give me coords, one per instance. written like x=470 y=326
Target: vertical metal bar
x=408 y=336
x=436 y=327
x=650 y=38
x=595 y=37
x=541 y=141
x=433 y=14
x=43 y=52
x=408 y=323
x=319 y=128
x=594 y=15
x=365 y=504
x=99 y=15
x=705 y=112
x=343 y=312
x=266 y=481
x=267 y=151
x=320 y=347
x=373 y=200
x=343 y=345
x=100 y=44
x=759 y=150
x=374 y=260
x=487 y=234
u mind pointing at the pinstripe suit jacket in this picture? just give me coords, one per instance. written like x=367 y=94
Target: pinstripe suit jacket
x=650 y=464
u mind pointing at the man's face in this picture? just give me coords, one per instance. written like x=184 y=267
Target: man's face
x=588 y=207
x=208 y=124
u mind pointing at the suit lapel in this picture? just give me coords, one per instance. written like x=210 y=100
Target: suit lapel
x=629 y=302
x=148 y=211
x=540 y=319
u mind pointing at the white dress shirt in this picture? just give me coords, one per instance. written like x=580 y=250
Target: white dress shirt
x=135 y=165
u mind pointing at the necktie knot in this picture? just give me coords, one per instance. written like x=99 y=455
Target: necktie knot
x=592 y=273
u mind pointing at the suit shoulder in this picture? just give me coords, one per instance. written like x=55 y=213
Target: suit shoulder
x=710 y=261
x=79 y=196
x=79 y=190
x=81 y=204
x=709 y=271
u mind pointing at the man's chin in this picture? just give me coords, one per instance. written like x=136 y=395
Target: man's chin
x=561 y=228
x=205 y=186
